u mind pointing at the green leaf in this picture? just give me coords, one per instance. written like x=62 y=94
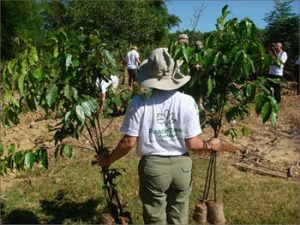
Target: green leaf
x=19 y=160
x=209 y=86
x=39 y=74
x=275 y=106
x=1 y=149
x=274 y=119
x=68 y=150
x=109 y=57
x=266 y=111
x=43 y=157
x=231 y=132
x=75 y=93
x=52 y=94
x=10 y=162
x=11 y=148
x=2 y=167
x=93 y=104
x=225 y=10
x=250 y=91
x=68 y=61
x=245 y=131
x=259 y=102
x=33 y=54
x=9 y=67
x=94 y=40
x=80 y=113
x=21 y=83
x=215 y=61
x=5 y=80
x=185 y=53
x=75 y=63
x=68 y=92
x=29 y=159
x=87 y=109
x=68 y=117
x=55 y=52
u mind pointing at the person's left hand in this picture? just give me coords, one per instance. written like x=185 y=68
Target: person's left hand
x=215 y=144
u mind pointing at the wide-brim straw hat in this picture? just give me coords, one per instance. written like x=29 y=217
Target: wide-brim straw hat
x=160 y=71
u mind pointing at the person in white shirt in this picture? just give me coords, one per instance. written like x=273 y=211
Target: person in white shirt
x=132 y=60
x=276 y=68
x=106 y=82
x=164 y=127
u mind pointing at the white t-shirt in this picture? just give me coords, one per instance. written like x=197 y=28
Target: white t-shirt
x=278 y=69
x=162 y=122
x=105 y=84
x=131 y=59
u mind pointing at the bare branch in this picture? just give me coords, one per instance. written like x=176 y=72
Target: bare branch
x=196 y=16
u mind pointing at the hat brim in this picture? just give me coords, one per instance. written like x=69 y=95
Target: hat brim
x=146 y=79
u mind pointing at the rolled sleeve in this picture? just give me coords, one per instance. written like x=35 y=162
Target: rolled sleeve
x=131 y=123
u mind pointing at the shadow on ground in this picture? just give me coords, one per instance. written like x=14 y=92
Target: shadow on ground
x=20 y=216
x=58 y=210
x=61 y=208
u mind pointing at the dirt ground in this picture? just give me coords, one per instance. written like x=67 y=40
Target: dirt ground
x=275 y=147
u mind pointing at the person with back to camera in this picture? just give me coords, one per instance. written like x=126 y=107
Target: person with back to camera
x=276 y=69
x=132 y=60
x=164 y=127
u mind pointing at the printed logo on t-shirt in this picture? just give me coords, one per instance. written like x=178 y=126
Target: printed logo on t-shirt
x=165 y=118
x=165 y=132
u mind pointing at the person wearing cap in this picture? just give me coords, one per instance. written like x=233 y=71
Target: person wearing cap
x=132 y=60
x=164 y=127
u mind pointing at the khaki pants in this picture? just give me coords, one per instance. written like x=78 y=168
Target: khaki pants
x=165 y=187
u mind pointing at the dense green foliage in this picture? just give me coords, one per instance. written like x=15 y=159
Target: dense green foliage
x=61 y=78
x=21 y=160
x=19 y=19
x=120 y=23
x=232 y=58
x=123 y=22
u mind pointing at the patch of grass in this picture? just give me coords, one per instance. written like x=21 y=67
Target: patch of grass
x=250 y=198
x=71 y=192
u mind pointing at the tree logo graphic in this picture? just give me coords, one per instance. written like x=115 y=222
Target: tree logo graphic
x=166 y=118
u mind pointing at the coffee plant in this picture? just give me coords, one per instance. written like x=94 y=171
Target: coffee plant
x=230 y=67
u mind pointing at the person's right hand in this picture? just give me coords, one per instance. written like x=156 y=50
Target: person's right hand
x=102 y=160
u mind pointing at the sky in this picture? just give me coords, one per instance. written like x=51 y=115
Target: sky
x=254 y=10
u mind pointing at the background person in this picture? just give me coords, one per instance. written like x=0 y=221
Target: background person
x=183 y=39
x=164 y=127
x=276 y=69
x=132 y=60
x=112 y=81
